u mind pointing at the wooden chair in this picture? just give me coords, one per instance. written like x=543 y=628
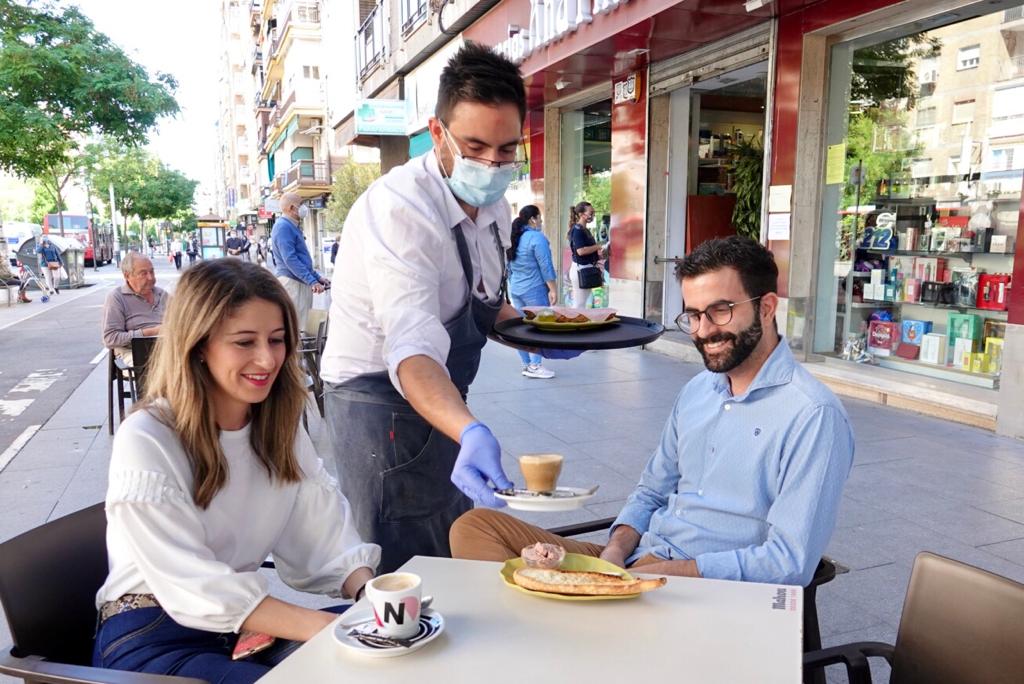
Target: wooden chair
x=124 y=381
x=960 y=625
x=49 y=577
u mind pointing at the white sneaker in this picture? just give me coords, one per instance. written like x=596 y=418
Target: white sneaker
x=538 y=371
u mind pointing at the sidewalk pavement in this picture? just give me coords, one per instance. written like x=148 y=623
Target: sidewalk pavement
x=918 y=483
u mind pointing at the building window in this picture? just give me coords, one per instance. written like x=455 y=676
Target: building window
x=963 y=112
x=311 y=72
x=968 y=57
x=413 y=13
x=926 y=116
x=1002 y=159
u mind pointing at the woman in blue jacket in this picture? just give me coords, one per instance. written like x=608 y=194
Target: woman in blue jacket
x=532 y=276
x=50 y=262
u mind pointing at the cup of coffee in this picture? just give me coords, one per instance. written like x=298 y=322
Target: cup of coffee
x=541 y=471
x=395 y=599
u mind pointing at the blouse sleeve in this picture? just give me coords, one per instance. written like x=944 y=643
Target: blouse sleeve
x=160 y=527
x=320 y=547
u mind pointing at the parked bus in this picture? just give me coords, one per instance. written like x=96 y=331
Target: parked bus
x=78 y=226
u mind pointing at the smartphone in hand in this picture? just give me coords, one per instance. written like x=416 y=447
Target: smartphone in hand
x=250 y=643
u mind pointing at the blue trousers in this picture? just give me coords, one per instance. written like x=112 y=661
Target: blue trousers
x=148 y=640
x=537 y=297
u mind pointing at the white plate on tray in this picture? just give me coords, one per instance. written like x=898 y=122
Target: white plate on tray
x=563 y=499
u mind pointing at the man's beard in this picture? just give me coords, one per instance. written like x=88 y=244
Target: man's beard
x=743 y=346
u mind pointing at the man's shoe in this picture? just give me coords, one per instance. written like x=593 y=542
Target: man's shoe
x=538 y=371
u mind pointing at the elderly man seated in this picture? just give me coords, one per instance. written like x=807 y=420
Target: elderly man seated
x=135 y=309
x=746 y=482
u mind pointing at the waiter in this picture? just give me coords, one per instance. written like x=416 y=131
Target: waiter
x=419 y=286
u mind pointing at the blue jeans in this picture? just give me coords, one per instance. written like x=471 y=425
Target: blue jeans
x=148 y=640
x=536 y=297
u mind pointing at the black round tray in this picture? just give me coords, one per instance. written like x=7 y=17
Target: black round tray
x=628 y=332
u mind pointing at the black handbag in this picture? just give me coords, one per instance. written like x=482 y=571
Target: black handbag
x=589 y=276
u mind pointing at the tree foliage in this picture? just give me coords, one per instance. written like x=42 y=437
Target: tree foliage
x=43 y=203
x=351 y=180
x=886 y=71
x=61 y=81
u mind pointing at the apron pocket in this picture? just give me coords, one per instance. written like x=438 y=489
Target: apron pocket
x=417 y=482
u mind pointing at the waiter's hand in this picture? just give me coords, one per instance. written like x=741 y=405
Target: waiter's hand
x=559 y=354
x=479 y=461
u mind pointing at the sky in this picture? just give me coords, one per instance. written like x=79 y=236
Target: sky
x=182 y=38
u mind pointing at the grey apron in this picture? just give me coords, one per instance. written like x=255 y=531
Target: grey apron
x=394 y=468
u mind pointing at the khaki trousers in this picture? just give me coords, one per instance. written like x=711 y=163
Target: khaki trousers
x=485 y=534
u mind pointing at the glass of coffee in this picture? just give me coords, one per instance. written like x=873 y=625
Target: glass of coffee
x=541 y=471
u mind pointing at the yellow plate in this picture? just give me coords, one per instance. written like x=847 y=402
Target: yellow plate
x=552 y=326
x=573 y=561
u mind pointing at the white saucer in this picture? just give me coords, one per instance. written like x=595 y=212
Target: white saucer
x=548 y=504
x=431 y=626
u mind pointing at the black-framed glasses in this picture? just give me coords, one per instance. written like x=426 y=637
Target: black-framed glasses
x=719 y=313
x=514 y=164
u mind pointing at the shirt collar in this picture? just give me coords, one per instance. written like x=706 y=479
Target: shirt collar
x=777 y=370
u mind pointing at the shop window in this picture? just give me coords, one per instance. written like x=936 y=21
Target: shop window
x=915 y=261
x=968 y=57
x=963 y=112
x=311 y=72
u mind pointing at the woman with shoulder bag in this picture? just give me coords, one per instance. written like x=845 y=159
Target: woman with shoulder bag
x=585 y=273
x=208 y=476
x=532 y=280
x=50 y=263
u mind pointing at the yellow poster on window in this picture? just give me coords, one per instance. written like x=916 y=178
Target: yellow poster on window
x=835 y=164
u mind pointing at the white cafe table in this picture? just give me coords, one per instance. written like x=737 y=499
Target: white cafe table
x=690 y=630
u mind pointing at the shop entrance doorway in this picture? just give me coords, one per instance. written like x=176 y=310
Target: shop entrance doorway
x=716 y=165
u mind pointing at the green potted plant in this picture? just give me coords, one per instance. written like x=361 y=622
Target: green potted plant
x=747 y=175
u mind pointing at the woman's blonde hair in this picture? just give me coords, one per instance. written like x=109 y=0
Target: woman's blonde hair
x=207 y=294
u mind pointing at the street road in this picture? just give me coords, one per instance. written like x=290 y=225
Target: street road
x=47 y=350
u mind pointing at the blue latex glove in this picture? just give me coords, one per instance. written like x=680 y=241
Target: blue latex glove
x=479 y=461
x=557 y=354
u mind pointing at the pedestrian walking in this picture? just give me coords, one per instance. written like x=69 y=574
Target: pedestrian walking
x=261 y=251
x=334 y=251
x=294 y=264
x=532 y=279
x=585 y=273
x=420 y=285
x=192 y=249
x=50 y=263
x=179 y=246
x=210 y=475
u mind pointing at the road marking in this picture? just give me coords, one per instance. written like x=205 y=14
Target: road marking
x=19 y=443
x=99 y=357
x=14 y=407
x=39 y=381
x=55 y=302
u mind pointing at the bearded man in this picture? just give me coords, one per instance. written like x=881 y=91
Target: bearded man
x=747 y=480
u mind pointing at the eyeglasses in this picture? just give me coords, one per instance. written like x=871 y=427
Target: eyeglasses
x=719 y=313
x=515 y=164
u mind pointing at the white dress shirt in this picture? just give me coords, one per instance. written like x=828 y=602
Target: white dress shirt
x=202 y=564
x=398 y=277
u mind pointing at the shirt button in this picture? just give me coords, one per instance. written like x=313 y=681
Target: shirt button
x=728 y=406
x=700 y=492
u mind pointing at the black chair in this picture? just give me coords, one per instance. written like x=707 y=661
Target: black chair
x=311 y=351
x=824 y=573
x=124 y=381
x=48 y=582
x=960 y=625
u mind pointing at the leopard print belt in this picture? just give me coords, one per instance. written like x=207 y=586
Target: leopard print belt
x=125 y=603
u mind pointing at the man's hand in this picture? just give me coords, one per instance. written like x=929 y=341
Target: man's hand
x=676 y=568
x=621 y=544
x=325 y=282
x=317 y=288
x=614 y=556
x=151 y=331
x=552 y=297
x=479 y=461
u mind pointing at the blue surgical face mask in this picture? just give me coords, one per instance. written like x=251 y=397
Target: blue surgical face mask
x=303 y=211
x=476 y=183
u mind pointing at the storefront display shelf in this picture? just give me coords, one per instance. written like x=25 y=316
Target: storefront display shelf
x=953 y=255
x=986 y=380
x=954 y=307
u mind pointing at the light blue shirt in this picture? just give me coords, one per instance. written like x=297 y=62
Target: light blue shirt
x=532 y=268
x=290 y=252
x=747 y=486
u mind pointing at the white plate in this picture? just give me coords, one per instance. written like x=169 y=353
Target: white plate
x=548 y=504
x=431 y=626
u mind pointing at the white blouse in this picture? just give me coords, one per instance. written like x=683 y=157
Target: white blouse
x=202 y=564
x=398 y=277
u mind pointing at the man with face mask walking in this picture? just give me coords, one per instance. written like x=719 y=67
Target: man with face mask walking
x=421 y=275
x=294 y=267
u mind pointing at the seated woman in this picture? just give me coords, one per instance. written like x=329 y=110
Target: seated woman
x=211 y=475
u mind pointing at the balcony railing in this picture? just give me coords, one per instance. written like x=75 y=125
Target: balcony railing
x=307 y=173
x=1013 y=68
x=1013 y=14
x=414 y=12
x=371 y=42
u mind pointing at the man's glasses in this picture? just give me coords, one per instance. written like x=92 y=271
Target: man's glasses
x=719 y=313
x=515 y=164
